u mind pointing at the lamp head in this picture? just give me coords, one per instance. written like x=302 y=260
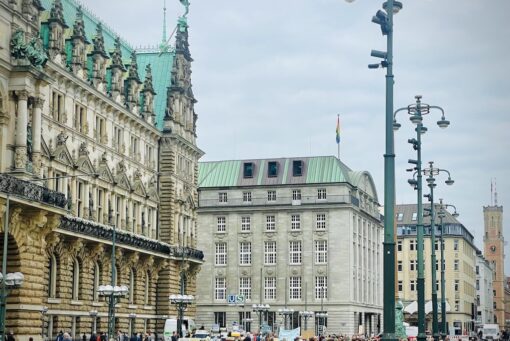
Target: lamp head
x=449 y=182
x=396 y=125
x=374 y=66
x=423 y=130
x=442 y=123
x=416 y=119
x=455 y=214
x=397 y=6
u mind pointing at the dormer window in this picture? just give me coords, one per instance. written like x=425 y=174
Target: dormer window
x=272 y=169
x=248 y=170
x=297 y=168
x=400 y=216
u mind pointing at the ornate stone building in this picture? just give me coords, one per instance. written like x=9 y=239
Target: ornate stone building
x=94 y=135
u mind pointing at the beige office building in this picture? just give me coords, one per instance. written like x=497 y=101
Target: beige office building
x=460 y=263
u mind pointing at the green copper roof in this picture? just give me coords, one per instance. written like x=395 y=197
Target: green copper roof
x=219 y=174
x=161 y=63
x=321 y=169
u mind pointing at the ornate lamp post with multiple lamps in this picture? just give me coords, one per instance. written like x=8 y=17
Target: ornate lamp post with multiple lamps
x=430 y=172
x=10 y=281
x=181 y=303
x=441 y=215
x=285 y=312
x=416 y=112
x=112 y=294
x=261 y=309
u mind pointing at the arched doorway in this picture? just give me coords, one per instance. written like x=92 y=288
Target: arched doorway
x=13 y=295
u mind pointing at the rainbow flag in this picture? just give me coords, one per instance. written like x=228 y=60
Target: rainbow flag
x=338 y=129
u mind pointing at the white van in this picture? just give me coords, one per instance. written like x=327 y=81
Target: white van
x=490 y=332
x=171 y=327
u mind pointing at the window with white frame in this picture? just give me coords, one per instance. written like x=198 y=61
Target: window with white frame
x=100 y=203
x=321 y=193
x=321 y=287
x=295 y=288
x=57 y=106
x=399 y=265
x=413 y=245
x=222 y=197
x=100 y=130
x=455 y=245
x=245 y=223
x=135 y=146
x=399 y=245
x=245 y=287
x=222 y=224
x=400 y=286
x=413 y=266
x=118 y=138
x=220 y=288
x=321 y=251
x=415 y=216
x=296 y=194
x=271 y=195
x=244 y=253
x=96 y=281
x=320 y=222
x=270 y=223
x=270 y=252
x=412 y=285
x=456 y=286
x=150 y=213
x=118 y=210
x=270 y=288
x=295 y=252
x=80 y=198
x=246 y=197
x=456 y=265
x=295 y=222
x=220 y=255
x=76 y=280
x=80 y=118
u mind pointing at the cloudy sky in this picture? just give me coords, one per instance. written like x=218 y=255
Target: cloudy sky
x=271 y=76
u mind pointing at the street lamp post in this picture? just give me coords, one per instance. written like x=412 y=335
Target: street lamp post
x=322 y=315
x=416 y=113
x=285 y=312
x=181 y=303
x=10 y=281
x=430 y=172
x=385 y=20
x=442 y=214
x=44 y=310
x=112 y=294
x=306 y=315
x=93 y=315
x=261 y=309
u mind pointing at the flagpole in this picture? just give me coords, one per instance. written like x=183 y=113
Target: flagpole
x=338 y=134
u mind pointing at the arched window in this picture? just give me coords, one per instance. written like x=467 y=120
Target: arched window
x=52 y=279
x=131 y=286
x=95 y=285
x=76 y=280
x=147 y=287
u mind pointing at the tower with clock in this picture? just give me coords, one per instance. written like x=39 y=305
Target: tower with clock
x=494 y=253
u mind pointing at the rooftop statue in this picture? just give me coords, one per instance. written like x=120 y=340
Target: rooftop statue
x=185 y=3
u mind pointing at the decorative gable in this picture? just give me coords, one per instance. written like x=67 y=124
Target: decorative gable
x=121 y=178
x=83 y=163
x=61 y=153
x=138 y=186
x=104 y=171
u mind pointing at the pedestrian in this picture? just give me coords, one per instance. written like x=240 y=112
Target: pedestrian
x=84 y=337
x=174 y=336
x=133 y=337
x=67 y=337
x=60 y=336
x=10 y=336
x=93 y=337
x=102 y=337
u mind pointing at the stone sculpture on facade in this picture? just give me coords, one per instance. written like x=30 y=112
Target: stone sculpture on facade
x=148 y=94
x=30 y=10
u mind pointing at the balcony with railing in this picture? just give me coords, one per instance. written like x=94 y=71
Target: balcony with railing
x=31 y=191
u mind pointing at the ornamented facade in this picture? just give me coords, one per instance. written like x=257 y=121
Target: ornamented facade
x=297 y=233
x=94 y=134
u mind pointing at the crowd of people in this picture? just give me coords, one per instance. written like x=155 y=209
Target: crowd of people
x=101 y=336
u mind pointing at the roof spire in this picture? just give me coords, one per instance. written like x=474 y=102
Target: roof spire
x=495 y=194
x=163 y=41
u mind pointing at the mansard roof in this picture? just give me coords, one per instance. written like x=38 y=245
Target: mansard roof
x=161 y=61
x=315 y=170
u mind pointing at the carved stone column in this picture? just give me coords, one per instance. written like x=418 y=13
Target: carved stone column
x=20 y=153
x=36 y=135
